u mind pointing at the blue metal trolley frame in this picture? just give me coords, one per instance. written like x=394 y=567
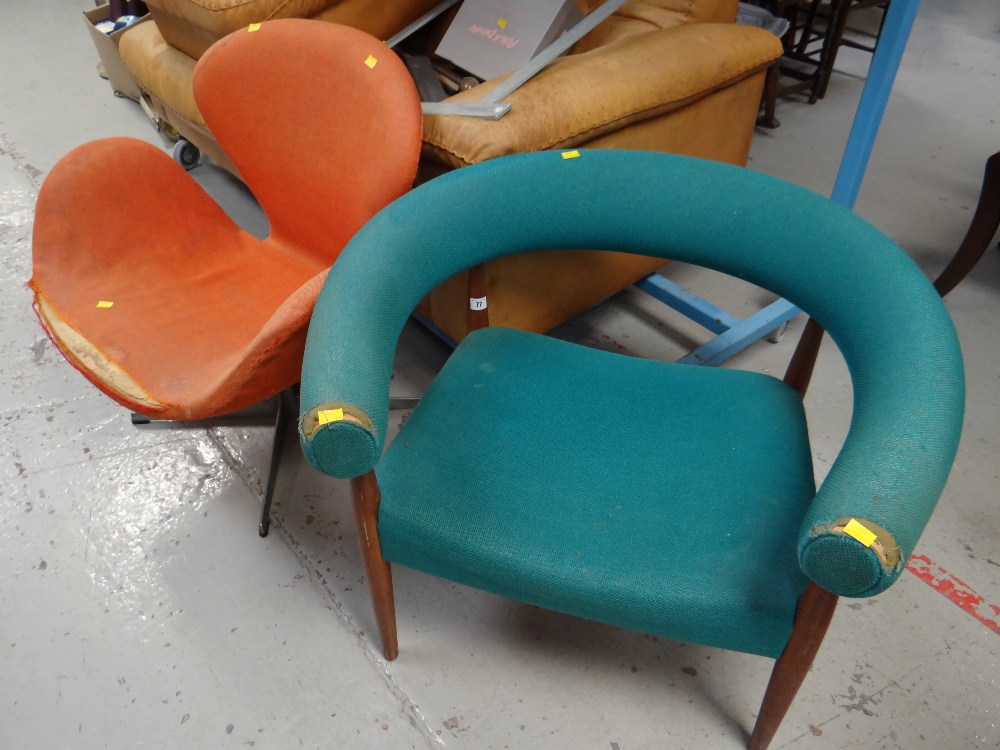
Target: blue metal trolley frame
x=734 y=334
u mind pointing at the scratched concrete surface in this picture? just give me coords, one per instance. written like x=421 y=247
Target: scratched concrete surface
x=138 y=607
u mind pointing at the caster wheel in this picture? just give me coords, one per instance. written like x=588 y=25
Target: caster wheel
x=777 y=334
x=186 y=154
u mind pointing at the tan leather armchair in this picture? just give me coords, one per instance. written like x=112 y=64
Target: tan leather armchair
x=660 y=75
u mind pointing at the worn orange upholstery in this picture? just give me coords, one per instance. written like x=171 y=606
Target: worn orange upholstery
x=206 y=319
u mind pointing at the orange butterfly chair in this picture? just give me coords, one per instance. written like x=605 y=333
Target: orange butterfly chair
x=150 y=290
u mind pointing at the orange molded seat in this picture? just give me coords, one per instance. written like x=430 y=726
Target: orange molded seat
x=205 y=318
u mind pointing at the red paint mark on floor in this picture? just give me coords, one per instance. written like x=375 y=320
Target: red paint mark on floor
x=956 y=590
x=612 y=342
x=974 y=69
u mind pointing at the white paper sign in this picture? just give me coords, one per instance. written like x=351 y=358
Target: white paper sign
x=491 y=37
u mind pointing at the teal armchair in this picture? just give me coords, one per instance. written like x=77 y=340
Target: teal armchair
x=670 y=499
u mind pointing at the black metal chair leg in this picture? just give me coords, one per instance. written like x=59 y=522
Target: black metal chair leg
x=285 y=408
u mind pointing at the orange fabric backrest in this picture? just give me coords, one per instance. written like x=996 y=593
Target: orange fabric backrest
x=342 y=134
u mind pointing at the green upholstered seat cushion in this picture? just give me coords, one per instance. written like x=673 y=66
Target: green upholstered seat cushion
x=659 y=497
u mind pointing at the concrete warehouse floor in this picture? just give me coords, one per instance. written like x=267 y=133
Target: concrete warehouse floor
x=139 y=608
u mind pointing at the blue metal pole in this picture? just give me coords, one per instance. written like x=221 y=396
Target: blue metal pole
x=874 y=98
x=867 y=121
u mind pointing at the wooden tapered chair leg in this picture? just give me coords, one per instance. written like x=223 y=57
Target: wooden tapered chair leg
x=984 y=227
x=800 y=369
x=366 y=497
x=812 y=618
x=815 y=609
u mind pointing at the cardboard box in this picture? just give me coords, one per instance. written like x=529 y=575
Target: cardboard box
x=491 y=37
x=107 y=47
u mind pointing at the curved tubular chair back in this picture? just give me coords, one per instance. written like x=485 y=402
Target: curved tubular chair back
x=253 y=88
x=890 y=324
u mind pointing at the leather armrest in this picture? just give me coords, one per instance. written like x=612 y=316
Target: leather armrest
x=580 y=97
x=222 y=17
x=694 y=11
x=213 y=19
x=160 y=69
x=643 y=16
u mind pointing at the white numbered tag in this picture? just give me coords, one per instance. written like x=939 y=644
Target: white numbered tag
x=477 y=303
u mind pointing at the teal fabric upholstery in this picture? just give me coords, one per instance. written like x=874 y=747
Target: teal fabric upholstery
x=887 y=320
x=659 y=497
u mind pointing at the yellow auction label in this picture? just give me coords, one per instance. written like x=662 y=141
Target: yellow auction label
x=859 y=532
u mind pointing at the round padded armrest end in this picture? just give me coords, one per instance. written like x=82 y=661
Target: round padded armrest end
x=844 y=566
x=339 y=440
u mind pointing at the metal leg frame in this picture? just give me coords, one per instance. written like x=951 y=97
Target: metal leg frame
x=254 y=414
x=739 y=337
x=286 y=407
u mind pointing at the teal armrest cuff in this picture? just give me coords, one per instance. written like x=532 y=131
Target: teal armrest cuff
x=907 y=453
x=339 y=439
